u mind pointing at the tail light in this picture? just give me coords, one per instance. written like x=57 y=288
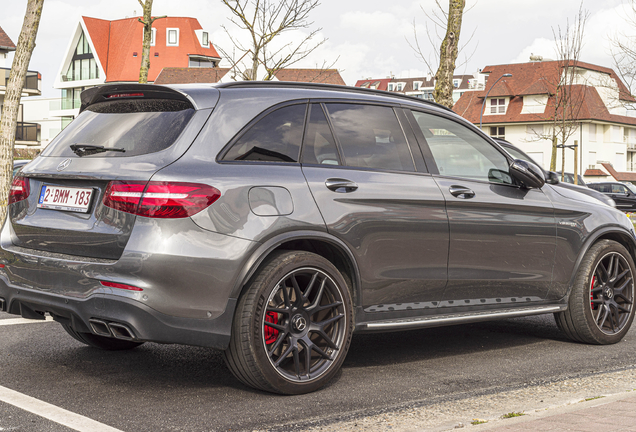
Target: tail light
x=120 y=286
x=160 y=199
x=19 y=189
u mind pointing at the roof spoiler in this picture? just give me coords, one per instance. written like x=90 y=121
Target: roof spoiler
x=112 y=92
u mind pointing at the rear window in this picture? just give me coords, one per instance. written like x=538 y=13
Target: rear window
x=129 y=128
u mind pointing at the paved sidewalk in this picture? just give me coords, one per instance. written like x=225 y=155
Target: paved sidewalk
x=608 y=414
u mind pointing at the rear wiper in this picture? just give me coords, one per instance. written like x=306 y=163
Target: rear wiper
x=89 y=149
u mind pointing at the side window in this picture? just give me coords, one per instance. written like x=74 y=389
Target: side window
x=274 y=138
x=616 y=188
x=605 y=188
x=319 y=146
x=370 y=137
x=459 y=152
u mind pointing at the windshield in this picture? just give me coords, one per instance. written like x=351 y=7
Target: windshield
x=132 y=127
x=631 y=187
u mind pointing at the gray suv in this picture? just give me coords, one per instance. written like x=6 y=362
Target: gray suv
x=272 y=221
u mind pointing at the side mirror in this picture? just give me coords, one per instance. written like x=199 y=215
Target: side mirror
x=552 y=178
x=527 y=173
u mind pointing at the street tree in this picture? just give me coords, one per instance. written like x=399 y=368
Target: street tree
x=147 y=21
x=567 y=90
x=13 y=93
x=444 y=60
x=263 y=23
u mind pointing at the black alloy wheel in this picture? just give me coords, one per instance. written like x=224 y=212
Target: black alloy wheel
x=601 y=302
x=612 y=293
x=304 y=325
x=292 y=327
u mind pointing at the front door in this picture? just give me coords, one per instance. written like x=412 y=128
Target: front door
x=502 y=236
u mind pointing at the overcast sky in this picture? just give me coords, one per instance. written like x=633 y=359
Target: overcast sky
x=367 y=37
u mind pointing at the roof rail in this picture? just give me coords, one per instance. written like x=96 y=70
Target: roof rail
x=341 y=88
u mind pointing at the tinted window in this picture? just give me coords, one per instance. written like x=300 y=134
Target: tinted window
x=460 y=152
x=138 y=127
x=370 y=137
x=274 y=138
x=617 y=188
x=319 y=146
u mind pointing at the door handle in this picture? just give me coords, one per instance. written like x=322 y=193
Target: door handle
x=461 y=192
x=340 y=185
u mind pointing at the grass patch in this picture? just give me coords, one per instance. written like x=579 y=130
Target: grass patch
x=512 y=415
x=593 y=398
x=478 y=421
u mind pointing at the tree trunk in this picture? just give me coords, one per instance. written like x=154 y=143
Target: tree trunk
x=448 y=54
x=17 y=76
x=554 y=153
x=145 y=50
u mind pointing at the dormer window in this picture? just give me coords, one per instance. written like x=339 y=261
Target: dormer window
x=205 y=41
x=456 y=83
x=498 y=105
x=390 y=87
x=417 y=85
x=172 y=37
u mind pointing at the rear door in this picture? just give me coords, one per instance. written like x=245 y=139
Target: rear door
x=122 y=137
x=502 y=237
x=371 y=186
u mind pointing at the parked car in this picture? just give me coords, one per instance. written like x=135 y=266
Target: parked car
x=623 y=193
x=517 y=153
x=274 y=220
x=569 y=178
x=18 y=164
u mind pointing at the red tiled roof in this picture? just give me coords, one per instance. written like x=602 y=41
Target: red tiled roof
x=173 y=75
x=595 y=172
x=381 y=83
x=116 y=41
x=5 y=41
x=528 y=79
x=619 y=176
x=323 y=76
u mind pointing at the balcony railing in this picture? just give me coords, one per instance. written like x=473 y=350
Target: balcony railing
x=29 y=132
x=31 y=82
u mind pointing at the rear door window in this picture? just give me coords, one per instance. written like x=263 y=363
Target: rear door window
x=130 y=128
x=319 y=147
x=276 y=137
x=370 y=136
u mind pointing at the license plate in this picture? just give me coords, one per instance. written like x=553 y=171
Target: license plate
x=65 y=198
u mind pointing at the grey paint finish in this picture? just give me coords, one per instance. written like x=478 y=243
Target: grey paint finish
x=396 y=226
x=270 y=201
x=502 y=241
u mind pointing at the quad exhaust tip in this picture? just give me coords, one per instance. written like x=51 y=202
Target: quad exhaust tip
x=116 y=330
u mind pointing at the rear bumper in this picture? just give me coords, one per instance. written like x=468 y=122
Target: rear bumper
x=144 y=323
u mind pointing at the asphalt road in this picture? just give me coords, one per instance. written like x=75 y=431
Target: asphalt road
x=178 y=388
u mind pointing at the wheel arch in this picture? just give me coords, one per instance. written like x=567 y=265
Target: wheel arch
x=617 y=234
x=323 y=244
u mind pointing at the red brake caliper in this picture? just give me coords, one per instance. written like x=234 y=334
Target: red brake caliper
x=591 y=288
x=271 y=334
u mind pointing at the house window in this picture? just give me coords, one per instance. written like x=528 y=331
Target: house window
x=83 y=65
x=456 y=83
x=390 y=87
x=205 y=39
x=400 y=86
x=172 y=37
x=593 y=133
x=201 y=62
x=416 y=85
x=498 y=132
x=498 y=106
x=429 y=96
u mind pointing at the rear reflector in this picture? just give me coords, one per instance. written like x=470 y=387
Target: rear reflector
x=160 y=199
x=120 y=286
x=19 y=189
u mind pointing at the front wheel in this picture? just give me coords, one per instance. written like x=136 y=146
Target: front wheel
x=601 y=304
x=293 y=326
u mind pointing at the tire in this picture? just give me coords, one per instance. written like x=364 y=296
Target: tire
x=601 y=304
x=293 y=325
x=101 y=342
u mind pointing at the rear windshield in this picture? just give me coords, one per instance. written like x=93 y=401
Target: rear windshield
x=129 y=128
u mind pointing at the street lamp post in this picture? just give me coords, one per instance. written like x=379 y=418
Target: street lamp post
x=506 y=75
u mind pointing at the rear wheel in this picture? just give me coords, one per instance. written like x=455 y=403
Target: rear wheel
x=293 y=326
x=601 y=304
x=101 y=342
